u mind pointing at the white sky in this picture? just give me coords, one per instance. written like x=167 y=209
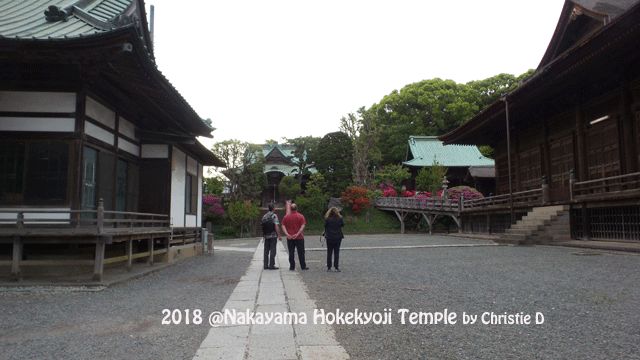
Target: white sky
x=286 y=68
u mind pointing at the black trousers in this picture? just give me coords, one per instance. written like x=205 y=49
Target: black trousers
x=333 y=248
x=291 y=246
x=270 y=252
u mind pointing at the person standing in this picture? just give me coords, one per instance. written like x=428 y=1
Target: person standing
x=293 y=227
x=333 y=224
x=271 y=233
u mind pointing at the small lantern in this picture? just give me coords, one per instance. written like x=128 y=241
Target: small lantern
x=445 y=185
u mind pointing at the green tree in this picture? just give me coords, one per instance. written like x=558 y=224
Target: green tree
x=363 y=132
x=213 y=185
x=241 y=214
x=245 y=168
x=289 y=187
x=334 y=160
x=394 y=174
x=304 y=147
x=313 y=203
x=428 y=107
x=430 y=178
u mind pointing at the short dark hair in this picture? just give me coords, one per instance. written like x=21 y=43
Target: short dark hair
x=270 y=207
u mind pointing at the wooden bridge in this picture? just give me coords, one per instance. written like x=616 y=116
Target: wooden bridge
x=433 y=208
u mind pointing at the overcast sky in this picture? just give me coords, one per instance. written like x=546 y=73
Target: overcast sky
x=286 y=68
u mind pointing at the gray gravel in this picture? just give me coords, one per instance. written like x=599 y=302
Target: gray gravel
x=591 y=304
x=123 y=321
x=313 y=241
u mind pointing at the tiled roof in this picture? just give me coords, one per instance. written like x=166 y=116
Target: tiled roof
x=428 y=149
x=50 y=19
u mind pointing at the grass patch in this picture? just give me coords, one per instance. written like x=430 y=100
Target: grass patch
x=380 y=222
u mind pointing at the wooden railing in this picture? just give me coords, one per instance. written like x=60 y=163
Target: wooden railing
x=520 y=199
x=606 y=188
x=414 y=203
x=99 y=220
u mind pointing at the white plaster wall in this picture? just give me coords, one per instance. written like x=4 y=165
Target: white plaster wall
x=191 y=221
x=178 y=179
x=155 y=151
x=125 y=127
x=99 y=133
x=199 y=213
x=128 y=146
x=57 y=218
x=192 y=166
x=100 y=113
x=37 y=124
x=35 y=101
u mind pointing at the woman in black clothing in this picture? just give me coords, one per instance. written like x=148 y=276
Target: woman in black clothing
x=333 y=233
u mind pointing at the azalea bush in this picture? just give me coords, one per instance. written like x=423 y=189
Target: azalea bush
x=465 y=192
x=387 y=189
x=212 y=208
x=357 y=198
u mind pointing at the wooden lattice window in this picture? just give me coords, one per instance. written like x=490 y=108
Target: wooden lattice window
x=603 y=155
x=561 y=159
x=529 y=172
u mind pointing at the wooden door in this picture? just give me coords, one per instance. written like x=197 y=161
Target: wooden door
x=603 y=152
x=561 y=159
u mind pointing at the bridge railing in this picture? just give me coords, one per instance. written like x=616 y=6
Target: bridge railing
x=520 y=199
x=414 y=203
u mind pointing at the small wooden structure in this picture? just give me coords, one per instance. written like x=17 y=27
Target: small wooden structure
x=575 y=122
x=86 y=116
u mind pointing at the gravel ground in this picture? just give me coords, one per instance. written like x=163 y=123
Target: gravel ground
x=590 y=303
x=123 y=321
x=313 y=241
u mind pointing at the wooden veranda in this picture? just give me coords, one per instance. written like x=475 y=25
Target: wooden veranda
x=151 y=232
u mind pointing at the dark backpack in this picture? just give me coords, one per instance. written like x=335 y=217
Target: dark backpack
x=268 y=226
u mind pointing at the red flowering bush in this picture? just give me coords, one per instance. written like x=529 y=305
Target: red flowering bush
x=423 y=195
x=212 y=207
x=408 y=193
x=388 y=190
x=357 y=198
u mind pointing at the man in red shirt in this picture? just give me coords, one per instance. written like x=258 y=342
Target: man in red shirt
x=293 y=227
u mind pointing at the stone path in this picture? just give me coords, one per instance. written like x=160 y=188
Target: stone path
x=269 y=291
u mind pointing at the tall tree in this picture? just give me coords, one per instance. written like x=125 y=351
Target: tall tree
x=304 y=147
x=334 y=160
x=245 y=168
x=362 y=130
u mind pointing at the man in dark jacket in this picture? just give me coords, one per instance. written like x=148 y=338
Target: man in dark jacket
x=271 y=233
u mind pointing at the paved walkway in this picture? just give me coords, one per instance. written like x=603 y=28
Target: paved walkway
x=268 y=291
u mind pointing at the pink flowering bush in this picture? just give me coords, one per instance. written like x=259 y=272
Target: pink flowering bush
x=408 y=193
x=388 y=190
x=212 y=208
x=465 y=192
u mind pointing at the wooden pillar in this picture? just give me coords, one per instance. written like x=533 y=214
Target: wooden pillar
x=16 y=258
x=488 y=223
x=401 y=215
x=98 y=262
x=580 y=145
x=151 y=250
x=629 y=152
x=429 y=219
x=129 y=254
x=167 y=244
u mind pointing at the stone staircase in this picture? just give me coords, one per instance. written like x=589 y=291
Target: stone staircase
x=542 y=225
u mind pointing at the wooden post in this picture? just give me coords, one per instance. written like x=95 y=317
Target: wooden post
x=489 y=223
x=580 y=145
x=100 y=216
x=151 y=250
x=572 y=183
x=98 y=262
x=429 y=219
x=401 y=218
x=167 y=243
x=20 y=220
x=586 y=234
x=16 y=258
x=129 y=254
x=545 y=190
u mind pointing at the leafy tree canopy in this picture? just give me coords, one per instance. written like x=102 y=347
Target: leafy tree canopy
x=333 y=159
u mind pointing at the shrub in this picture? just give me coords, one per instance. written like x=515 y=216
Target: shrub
x=241 y=214
x=430 y=178
x=356 y=198
x=314 y=201
x=212 y=208
x=289 y=187
x=393 y=175
x=466 y=192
